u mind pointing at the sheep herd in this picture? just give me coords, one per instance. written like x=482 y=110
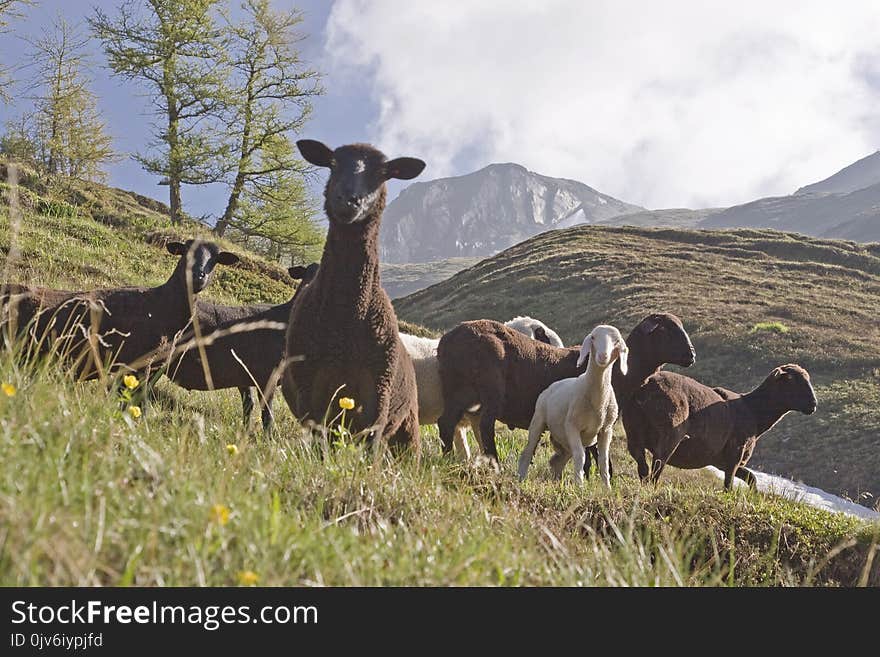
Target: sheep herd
x=338 y=337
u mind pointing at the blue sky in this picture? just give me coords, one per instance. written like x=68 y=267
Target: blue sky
x=687 y=104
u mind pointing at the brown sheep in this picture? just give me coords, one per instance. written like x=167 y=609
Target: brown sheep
x=236 y=360
x=123 y=327
x=487 y=366
x=342 y=336
x=689 y=425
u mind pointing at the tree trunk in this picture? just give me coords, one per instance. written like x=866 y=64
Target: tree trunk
x=244 y=162
x=173 y=161
x=231 y=205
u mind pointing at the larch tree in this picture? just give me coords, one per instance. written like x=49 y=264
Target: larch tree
x=175 y=49
x=269 y=99
x=66 y=126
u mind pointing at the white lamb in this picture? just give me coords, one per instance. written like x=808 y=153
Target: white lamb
x=580 y=411
x=423 y=352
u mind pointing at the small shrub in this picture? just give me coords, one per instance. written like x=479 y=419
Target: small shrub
x=770 y=327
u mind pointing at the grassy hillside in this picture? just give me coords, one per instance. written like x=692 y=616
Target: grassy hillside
x=749 y=299
x=184 y=495
x=76 y=235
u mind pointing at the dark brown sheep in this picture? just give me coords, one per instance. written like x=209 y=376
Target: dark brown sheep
x=689 y=425
x=658 y=339
x=486 y=365
x=121 y=327
x=237 y=360
x=342 y=336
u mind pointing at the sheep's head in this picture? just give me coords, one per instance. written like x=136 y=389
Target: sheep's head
x=198 y=260
x=665 y=339
x=304 y=274
x=603 y=346
x=791 y=389
x=357 y=177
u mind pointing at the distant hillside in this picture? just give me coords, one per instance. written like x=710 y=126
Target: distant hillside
x=845 y=205
x=858 y=175
x=825 y=293
x=668 y=218
x=486 y=211
x=855 y=215
x=402 y=279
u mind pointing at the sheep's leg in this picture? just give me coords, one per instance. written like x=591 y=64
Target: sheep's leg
x=604 y=445
x=536 y=428
x=267 y=415
x=747 y=476
x=461 y=442
x=591 y=454
x=574 y=445
x=487 y=432
x=447 y=425
x=558 y=461
x=247 y=404
x=407 y=435
x=733 y=456
x=474 y=421
x=638 y=454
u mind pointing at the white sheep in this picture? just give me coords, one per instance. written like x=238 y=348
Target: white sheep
x=423 y=352
x=580 y=411
x=535 y=329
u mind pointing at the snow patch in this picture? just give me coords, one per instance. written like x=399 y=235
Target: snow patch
x=798 y=492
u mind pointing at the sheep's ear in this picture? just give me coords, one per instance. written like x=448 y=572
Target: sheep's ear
x=404 y=168
x=622 y=354
x=226 y=258
x=315 y=152
x=176 y=248
x=648 y=325
x=585 y=350
x=297 y=273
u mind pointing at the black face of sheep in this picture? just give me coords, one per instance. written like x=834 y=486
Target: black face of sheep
x=791 y=388
x=303 y=273
x=541 y=335
x=671 y=342
x=202 y=258
x=357 y=177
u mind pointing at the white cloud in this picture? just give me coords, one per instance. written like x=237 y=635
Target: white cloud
x=658 y=103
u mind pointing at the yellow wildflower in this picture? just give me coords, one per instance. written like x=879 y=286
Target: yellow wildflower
x=232 y=448
x=346 y=402
x=8 y=389
x=131 y=381
x=220 y=514
x=248 y=578
x=134 y=411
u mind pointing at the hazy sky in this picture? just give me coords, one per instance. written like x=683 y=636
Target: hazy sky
x=664 y=104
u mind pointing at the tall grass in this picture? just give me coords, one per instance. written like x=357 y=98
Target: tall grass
x=92 y=496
